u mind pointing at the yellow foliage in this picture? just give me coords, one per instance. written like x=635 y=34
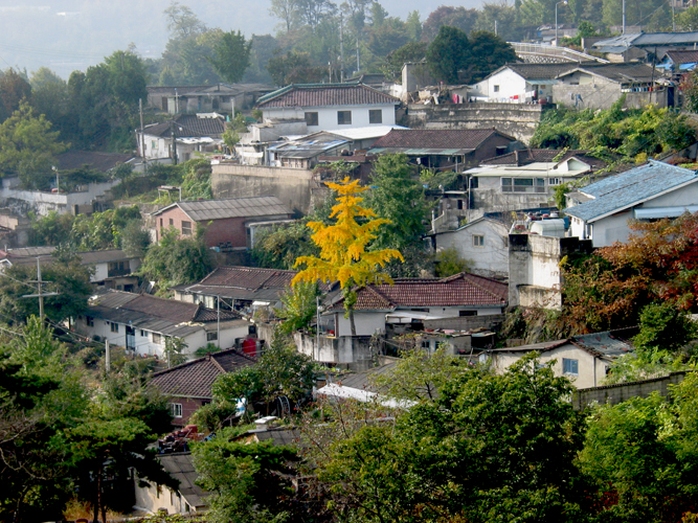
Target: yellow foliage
x=343 y=255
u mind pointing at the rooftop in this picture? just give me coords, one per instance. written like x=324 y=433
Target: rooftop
x=205 y=210
x=181 y=467
x=189 y=126
x=321 y=95
x=462 y=289
x=441 y=141
x=195 y=378
x=624 y=190
x=620 y=73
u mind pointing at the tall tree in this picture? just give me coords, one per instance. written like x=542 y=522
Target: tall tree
x=231 y=56
x=13 y=89
x=448 y=53
x=28 y=147
x=458 y=17
x=344 y=246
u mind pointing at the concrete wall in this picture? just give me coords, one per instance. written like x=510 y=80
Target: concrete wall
x=614 y=394
x=292 y=186
x=466 y=323
x=599 y=93
x=534 y=272
x=491 y=259
x=517 y=120
x=354 y=353
x=488 y=195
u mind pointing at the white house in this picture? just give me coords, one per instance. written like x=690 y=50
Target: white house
x=585 y=359
x=520 y=83
x=410 y=299
x=524 y=179
x=484 y=243
x=600 y=211
x=327 y=107
x=142 y=323
x=191 y=133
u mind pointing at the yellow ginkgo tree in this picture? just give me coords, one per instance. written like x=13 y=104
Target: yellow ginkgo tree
x=345 y=254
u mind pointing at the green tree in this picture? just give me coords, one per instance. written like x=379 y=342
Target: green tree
x=687 y=20
x=449 y=262
x=51 y=229
x=176 y=261
x=298 y=307
x=66 y=277
x=344 y=246
x=28 y=147
x=395 y=60
x=280 y=371
x=231 y=56
x=49 y=95
x=448 y=53
x=458 y=17
x=14 y=89
x=278 y=247
x=249 y=482
x=489 y=52
x=174 y=348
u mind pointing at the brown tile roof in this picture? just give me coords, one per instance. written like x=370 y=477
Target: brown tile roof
x=682 y=56
x=188 y=126
x=194 y=379
x=435 y=139
x=98 y=161
x=321 y=95
x=206 y=210
x=528 y=156
x=459 y=290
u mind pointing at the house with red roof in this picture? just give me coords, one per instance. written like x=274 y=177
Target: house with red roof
x=416 y=300
x=142 y=323
x=326 y=107
x=189 y=385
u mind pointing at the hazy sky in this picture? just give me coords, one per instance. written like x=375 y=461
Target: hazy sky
x=66 y=35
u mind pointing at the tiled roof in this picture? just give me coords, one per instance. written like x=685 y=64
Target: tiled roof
x=206 y=210
x=618 y=192
x=195 y=378
x=459 y=290
x=188 y=126
x=533 y=71
x=143 y=311
x=620 y=73
x=683 y=56
x=181 y=467
x=98 y=161
x=529 y=156
x=322 y=95
x=462 y=139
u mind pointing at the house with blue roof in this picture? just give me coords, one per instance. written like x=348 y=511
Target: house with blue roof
x=601 y=211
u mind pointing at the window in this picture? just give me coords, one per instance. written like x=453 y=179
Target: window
x=311 y=118
x=554 y=181
x=528 y=185
x=496 y=88
x=89 y=321
x=161 y=223
x=467 y=313
x=114 y=327
x=375 y=116
x=171 y=221
x=176 y=409
x=211 y=336
x=186 y=228
x=460 y=204
x=144 y=334
x=478 y=240
x=344 y=117
x=157 y=338
x=570 y=366
x=426 y=344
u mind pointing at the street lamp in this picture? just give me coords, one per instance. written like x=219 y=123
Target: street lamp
x=557 y=4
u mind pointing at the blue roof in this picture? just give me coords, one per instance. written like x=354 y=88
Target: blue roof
x=632 y=187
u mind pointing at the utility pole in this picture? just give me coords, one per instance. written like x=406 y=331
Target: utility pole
x=341 y=49
x=107 y=356
x=40 y=294
x=174 y=142
x=140 y=111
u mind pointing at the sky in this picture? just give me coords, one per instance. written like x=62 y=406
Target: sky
x=65 y=35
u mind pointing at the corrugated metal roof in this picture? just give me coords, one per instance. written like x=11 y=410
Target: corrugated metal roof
x=364 y=133
x=181 y=467
x=621 y=73
x=632 y=187
x=206 y=210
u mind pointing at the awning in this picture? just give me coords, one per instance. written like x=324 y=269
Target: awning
x=655 y=213
x=408 y=317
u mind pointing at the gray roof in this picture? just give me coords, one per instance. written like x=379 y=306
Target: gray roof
x=620 y=73
x=622 y=43
x=309 y=146
x=633 y=187
x=608 y=344
x=181 y=468
x=205 y=210
x=534 y=71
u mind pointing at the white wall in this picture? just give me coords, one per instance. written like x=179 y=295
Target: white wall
x=490 y=259
x=592 y=371
x=153 y=498
x=327 y=116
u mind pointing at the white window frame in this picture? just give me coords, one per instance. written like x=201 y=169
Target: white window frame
x=570 y=367
x=176 y=410
x=478 y=240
